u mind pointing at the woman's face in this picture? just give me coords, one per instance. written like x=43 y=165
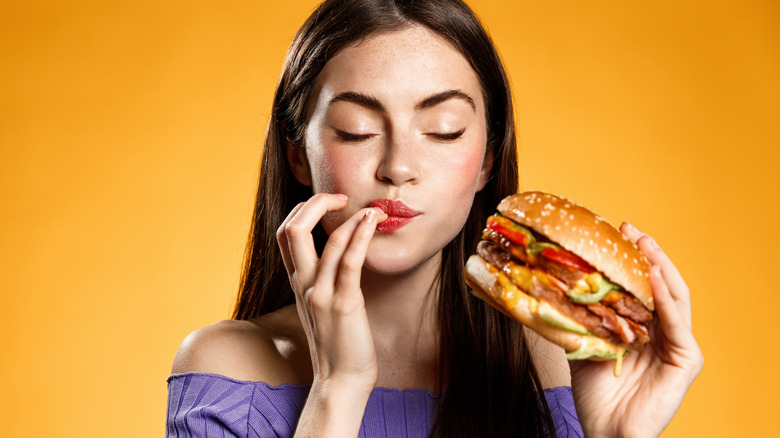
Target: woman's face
x=399 y=116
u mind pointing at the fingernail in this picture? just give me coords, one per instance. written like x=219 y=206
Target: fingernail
x=370 y=216
x=340 y=196
x=631 y=228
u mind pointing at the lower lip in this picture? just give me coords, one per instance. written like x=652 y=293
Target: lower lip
x=393 y=223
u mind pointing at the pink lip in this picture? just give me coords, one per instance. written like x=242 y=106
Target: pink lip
x=399 y=214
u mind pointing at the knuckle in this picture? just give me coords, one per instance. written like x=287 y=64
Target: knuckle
x=350 y=264
x=347 y=306
x=291 y=229
x=316 y=301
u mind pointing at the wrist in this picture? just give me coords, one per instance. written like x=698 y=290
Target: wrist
x=333 y=409
x=339 y=392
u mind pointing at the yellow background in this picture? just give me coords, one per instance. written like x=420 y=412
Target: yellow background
x=131 y=132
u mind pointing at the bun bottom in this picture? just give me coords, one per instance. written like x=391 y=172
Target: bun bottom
x=484 y=281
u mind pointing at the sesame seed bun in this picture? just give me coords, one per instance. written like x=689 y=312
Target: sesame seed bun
x=587 y=235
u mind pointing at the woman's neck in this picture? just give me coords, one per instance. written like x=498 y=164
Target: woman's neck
x=402 y=312
x=402 y=302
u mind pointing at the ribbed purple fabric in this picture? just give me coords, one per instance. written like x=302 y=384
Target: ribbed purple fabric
x=209 y=405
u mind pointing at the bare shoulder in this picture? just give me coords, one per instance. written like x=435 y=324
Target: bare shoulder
x=271 y=349
x=550 y=361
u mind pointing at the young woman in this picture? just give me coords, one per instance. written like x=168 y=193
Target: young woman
x=352 y=322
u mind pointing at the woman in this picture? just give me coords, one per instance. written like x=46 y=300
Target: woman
x=400 y=107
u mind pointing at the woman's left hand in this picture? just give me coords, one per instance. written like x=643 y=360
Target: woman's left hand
x=643 y=400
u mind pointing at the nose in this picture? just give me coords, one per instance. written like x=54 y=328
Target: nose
x=399 y=163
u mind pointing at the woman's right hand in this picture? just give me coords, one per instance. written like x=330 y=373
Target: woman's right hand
x=328 y=295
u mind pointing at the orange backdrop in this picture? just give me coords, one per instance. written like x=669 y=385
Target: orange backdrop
x=130 y=139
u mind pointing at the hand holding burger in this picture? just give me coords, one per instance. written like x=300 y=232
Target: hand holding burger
x=563 y=271
x=567 y=273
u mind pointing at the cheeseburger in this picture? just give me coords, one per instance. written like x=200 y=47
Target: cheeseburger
x=566 y=273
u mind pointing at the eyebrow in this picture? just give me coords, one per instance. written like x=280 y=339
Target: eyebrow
x=444 y=96
x=373 y=103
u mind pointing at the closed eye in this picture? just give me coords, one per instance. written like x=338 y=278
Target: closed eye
x=447 y=136
x=346 y=136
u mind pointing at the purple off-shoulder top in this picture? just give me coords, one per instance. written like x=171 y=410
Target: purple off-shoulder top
x=209 y=405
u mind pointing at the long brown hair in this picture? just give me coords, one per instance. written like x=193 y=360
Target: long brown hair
x=491 y=387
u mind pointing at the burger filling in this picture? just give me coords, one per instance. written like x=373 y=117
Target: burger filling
x=567 y=283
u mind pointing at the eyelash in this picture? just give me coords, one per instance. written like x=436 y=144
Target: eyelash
x=346 y=136
x=449 y=136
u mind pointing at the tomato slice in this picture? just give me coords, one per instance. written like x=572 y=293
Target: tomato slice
x=505 y=227
x=567 y=258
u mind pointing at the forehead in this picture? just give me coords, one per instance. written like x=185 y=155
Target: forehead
x=408 y=64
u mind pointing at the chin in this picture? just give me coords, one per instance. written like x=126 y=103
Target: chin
x=395 y=262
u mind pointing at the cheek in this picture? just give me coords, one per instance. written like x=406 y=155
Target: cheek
x=458 y=179
x=461 y=172
x=336 y=171
x=332 y=169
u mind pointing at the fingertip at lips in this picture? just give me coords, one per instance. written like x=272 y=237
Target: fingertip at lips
x=374 y=214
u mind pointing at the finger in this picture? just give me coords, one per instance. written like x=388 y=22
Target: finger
x=337 y=244
x=670 y=317
x=281 y=239
x=631 y=232
x=674 y=281
x=351 y=264
x=298 y=232
x=656 y=256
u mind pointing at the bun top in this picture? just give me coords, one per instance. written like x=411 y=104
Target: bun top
x=586 y=234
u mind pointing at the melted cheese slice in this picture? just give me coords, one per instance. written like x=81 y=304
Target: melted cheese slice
x=619 y=363
x=513 y=295
x=594 y=347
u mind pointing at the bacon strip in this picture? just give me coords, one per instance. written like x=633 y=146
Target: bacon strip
x=603 y=321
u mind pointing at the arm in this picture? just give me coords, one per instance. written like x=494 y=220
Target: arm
x=331 y=309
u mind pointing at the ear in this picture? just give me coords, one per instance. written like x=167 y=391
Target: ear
x=299 y=164
x=484 y=173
